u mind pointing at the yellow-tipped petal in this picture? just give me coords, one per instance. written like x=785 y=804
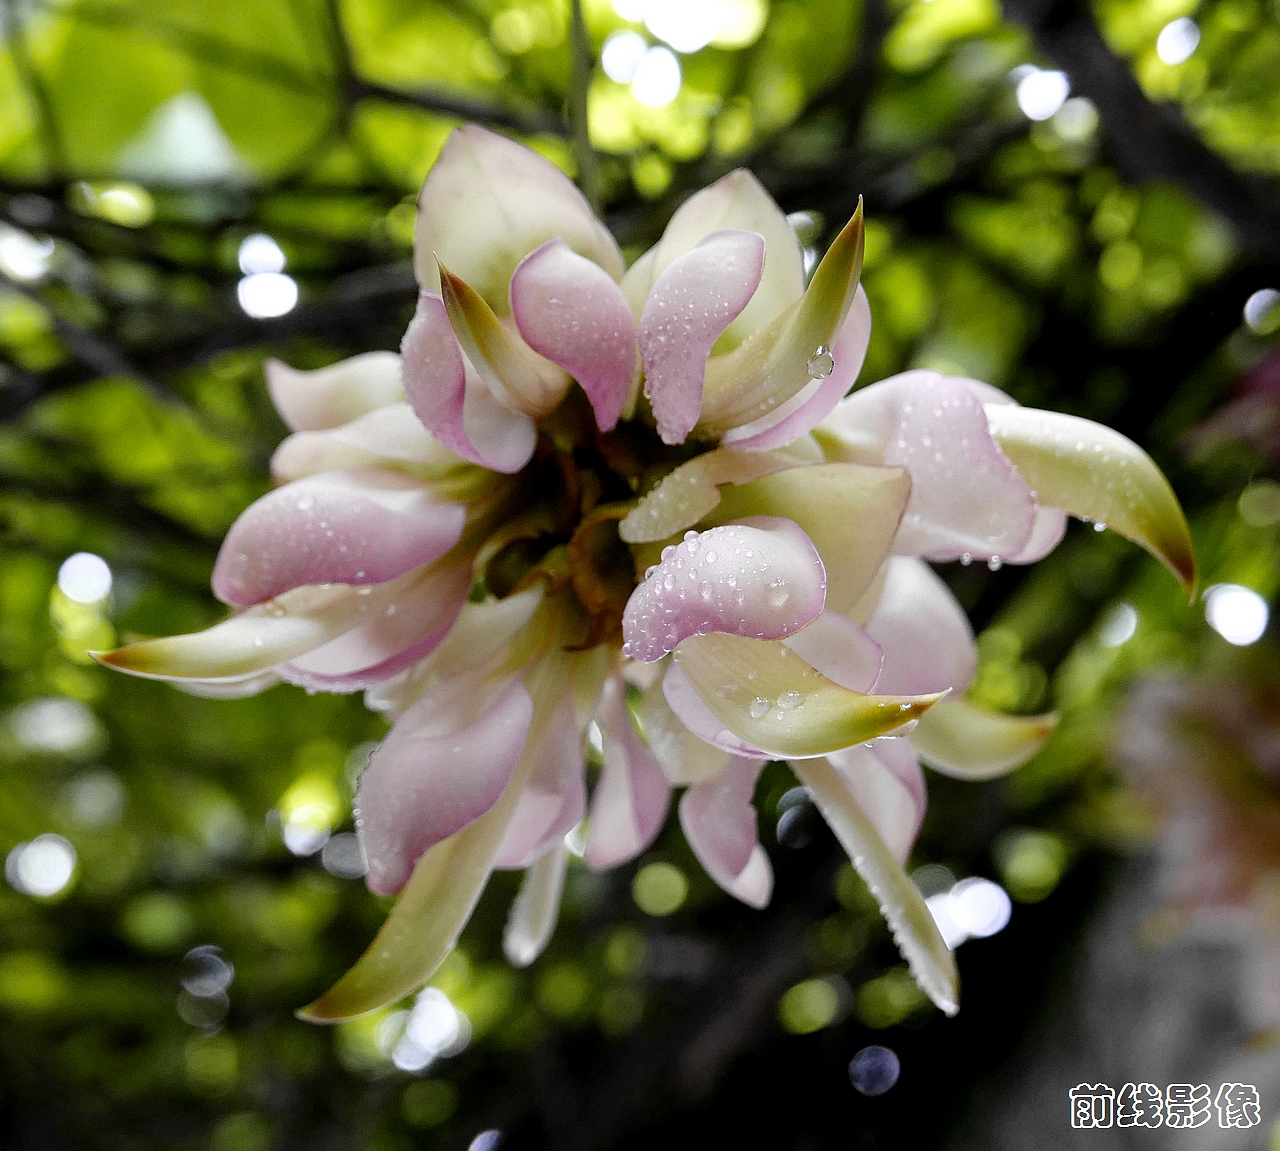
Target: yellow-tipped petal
x=428 y=916
x=261 y=637
x=967 y=741
x=772 y=365
x=766 y=695
x=849 y=511
x=512 y=371
x=1091 y=471
x=904 y=909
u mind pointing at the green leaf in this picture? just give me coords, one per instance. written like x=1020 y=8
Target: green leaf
x=967 y=741
x=904 y=909
x=735 y=676
x=1091 y=471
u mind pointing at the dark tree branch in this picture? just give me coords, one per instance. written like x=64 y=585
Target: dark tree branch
x=530 y=121
x=1148 y=141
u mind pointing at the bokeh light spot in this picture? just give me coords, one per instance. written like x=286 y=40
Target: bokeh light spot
x=1119 y=626
x=266 y=295
x=85 y=578
x=809 y=1006
x=1238 y=614
x=1178 y=40
x=1041 y=93
x=621 y=55
x=657 y=78
x=874 y=1070
x=1262 y=311
x=260 y=253
x=659 y=888
x=42 y=867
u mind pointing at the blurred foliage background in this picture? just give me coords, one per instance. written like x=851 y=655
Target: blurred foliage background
x=1075 y=201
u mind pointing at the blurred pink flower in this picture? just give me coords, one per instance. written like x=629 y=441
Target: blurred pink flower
x=639 y=499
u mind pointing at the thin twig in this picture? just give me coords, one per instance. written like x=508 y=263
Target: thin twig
x=580 y=86
x=50 y=136
x=530 y=122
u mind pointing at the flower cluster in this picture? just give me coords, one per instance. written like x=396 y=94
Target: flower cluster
x=642 y=505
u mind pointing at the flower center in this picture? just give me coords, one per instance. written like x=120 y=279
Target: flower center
x=562 y=516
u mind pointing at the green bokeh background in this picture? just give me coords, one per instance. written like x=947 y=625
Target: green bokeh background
x=1095 y=262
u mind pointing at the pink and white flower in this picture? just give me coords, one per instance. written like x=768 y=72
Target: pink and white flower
x=647 y=499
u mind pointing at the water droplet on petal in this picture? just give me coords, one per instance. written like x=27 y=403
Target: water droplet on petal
x=1100 y=526
x=758 y=707
x=995 y=563
x=790 y=700
x=821 y=364
x=966 y=559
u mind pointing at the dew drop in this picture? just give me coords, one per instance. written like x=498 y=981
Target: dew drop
x=758 y=707
x=778 y=593
x=821 y=364
x=966 y=559
x=995 y=563
x=1100 y=526
x=790 y=700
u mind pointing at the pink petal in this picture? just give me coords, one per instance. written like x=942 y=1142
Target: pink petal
x=397 y=638
x=966 y=496
x=336 y=395
x=832 y=643
x=362 y=527
x=924 y=633
x=809 y=407
x=840 y=649
x=1050 y=524
x=1047 y=530
x=391 y=436
x=760 y=578
x=734 y=201
x=720 y=825
x=438 y=770
x=887 y=783
x=554 y=798
x=631 y=799
x=452 y=401
x=571 y=312
x=488 y=202
x=692 y=302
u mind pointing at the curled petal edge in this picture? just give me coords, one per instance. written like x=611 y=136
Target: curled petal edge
x=1091 y=471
